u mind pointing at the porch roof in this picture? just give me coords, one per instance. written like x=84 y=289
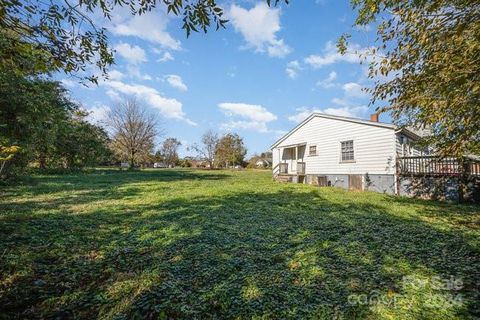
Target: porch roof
x=294 y=145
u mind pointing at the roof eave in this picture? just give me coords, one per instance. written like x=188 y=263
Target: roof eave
x=340 y=118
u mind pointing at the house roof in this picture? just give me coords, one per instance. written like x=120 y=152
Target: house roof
x=347 y=119
x=262 y=160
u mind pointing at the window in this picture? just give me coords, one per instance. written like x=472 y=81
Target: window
x=406 y=148
x=347 y=150
x=312 y=151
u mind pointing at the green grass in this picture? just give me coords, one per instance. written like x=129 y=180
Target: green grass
x=199 y=244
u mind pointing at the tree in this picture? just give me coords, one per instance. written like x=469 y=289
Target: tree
x=158 y=156
x=266 y=155
x=427 y=53
x=61 y=36
x=6 y=154
x=169 y=151
x=49 y=128
x=185 y=163
x=81 y=143
x=230 y=150
x=32 y=111
x=134 y=130
x=208 y=147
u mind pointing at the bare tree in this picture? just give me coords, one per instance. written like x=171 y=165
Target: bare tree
x=134 y=130
x=169 y=151
x=208 y=147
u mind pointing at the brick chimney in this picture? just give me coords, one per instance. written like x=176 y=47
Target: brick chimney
x=374 y=117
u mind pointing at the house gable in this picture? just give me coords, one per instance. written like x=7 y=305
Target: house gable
x=326 y=116
x=373 y=146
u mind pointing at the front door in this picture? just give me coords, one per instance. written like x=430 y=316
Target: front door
x=293 y=161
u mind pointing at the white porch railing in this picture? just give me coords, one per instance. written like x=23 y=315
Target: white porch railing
x=300 y=167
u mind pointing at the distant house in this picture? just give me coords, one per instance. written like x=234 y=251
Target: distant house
x=159 y=165
x=198 y=163
x=262 y=163
x=344 y=152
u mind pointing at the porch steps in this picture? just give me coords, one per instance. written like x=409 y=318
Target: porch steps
x=284 y=178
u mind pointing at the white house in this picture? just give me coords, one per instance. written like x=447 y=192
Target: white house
x=344 y=152
x=262 y=163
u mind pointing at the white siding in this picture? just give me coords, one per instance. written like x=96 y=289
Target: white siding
x=407 y=150
x=374 y=147
x=275 y=157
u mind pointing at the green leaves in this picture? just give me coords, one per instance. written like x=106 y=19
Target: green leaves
x=431 y=68
x=230 y=150
x=51 y=130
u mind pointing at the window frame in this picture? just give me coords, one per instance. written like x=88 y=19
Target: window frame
x=310 y=154
x=347 y=150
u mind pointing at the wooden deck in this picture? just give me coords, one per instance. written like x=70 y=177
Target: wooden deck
x=437 y=166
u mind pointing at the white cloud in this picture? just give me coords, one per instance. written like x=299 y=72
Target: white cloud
x=134 y=72
x=250 y=111
x=176 y=82
x=98 y=114
x=150 y=26
x=114 y=95
x=169 y=108
x=329 y=81
x=354 y=54
x=68 y=83
x=259 y=26
x=353 y=89
x=292 y=69
x=115 y=75
x=253 y=117
x=167 y=56
x=347 y=111
x=348 y=106
x=278 y=49
x=133 y=54
x=364 y=28
x=244 y=125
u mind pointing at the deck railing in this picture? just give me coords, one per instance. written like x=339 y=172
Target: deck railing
x=437 y=166
x=283 y=168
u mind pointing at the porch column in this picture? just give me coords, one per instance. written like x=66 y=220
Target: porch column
x=296 y=159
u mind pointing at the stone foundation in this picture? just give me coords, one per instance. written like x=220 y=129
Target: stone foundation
x=440 y=188
x=383 y=183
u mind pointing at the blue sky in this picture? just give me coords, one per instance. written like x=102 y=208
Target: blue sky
x=267 y=71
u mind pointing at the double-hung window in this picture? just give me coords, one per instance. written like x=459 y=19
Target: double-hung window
x=347 y=151
x=312 y=150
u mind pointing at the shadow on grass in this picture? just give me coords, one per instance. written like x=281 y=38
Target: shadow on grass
x=91 y=187
x=278 y=255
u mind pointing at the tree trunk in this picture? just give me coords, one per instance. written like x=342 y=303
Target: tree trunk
x=462 y=182
x=132 y=160
x=42 y=161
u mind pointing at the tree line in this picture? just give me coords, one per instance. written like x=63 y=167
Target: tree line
x=134 y=131
x=42 y=127
x=424 y=64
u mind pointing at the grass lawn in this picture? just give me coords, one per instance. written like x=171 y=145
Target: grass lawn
x=199 y=244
